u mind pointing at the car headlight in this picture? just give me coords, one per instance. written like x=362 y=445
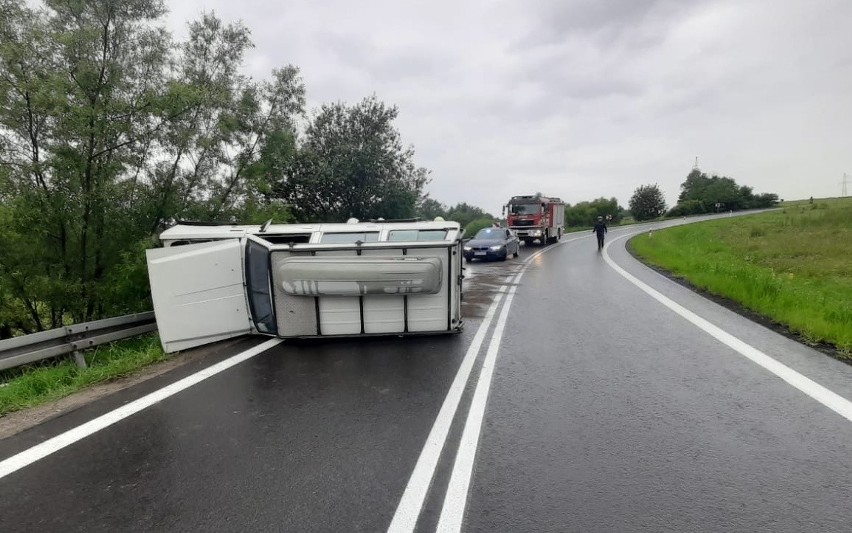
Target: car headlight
x=467 y=248
x=497 y=247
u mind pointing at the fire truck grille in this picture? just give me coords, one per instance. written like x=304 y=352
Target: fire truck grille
x=524 y=222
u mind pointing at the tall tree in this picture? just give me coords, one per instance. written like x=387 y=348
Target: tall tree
x=647 y=202
x=231 y=141
x=107 y=128
x=80 y=84
x=429 y=209
x=352 y=163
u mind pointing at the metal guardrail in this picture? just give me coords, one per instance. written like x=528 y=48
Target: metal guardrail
x=73 y=339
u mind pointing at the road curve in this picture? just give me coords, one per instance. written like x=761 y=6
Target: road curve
x=589 y=406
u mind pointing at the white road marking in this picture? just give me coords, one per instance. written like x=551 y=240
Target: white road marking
x=40 y=451
x=832 y=400
x=455 y=500
x=408 y=510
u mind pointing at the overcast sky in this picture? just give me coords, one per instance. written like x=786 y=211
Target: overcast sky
x=579 y=98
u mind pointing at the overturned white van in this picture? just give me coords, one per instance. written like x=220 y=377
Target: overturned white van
x=213 y=282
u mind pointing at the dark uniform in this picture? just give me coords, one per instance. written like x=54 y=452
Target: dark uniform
x=600 y=230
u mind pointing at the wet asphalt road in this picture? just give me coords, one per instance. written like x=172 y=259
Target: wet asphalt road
x=607 y=412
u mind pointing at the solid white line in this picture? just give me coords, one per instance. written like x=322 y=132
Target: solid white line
x=412 y=499
x=40 y=451
x=455 y=500
x=832 y=400
x=408 y=511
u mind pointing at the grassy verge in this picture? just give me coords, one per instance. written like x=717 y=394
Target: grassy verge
x=793 y=266
x=36 y=384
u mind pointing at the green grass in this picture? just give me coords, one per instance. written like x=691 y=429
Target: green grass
x=37 y=384
x=793 y=266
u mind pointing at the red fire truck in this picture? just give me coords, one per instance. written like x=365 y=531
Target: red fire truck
x=534 y=218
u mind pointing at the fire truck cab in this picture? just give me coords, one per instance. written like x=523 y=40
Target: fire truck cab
x=536 y=218
x=213 y=282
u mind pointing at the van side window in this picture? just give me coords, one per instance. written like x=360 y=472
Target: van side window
x=189 y=241
x=349 y=237
x=286 y=238
x=397 y=235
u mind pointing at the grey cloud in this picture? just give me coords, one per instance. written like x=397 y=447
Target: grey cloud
x=633 y=23
x=383 y=61
x=582 y=98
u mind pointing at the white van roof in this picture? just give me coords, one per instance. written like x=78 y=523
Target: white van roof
x=230 y=231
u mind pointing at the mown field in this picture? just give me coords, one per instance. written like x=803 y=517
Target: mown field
x=793 y=265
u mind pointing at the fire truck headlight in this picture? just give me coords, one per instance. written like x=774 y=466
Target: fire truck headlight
x=535 y=233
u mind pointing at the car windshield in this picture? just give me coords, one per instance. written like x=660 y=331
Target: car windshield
x=490 y=233
x=524 y=209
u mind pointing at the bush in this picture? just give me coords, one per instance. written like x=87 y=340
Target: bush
x=473 y=227
x=687 y=207
x=585 y=214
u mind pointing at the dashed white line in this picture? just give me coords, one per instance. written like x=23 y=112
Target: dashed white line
x=832 y=400
x=53 y=445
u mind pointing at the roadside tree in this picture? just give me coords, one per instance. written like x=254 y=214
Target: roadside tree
x=701 y=193
x=108 y=128
x=647 y=202
x=352 y=163
x=428 y=209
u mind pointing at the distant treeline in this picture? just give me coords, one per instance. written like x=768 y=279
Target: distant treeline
x=699 y=194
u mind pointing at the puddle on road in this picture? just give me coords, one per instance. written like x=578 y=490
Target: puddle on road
x=481 y=283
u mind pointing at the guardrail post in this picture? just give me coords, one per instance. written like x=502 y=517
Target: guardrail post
x=71 y=336
x=80 y=359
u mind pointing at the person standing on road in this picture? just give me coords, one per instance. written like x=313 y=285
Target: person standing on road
x=600 y=230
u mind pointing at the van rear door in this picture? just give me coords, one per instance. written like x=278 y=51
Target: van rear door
x=198 y=292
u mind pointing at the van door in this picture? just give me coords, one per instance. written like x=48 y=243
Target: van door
x=198 y=292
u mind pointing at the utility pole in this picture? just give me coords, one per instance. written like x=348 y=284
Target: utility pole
x=844 y=183
x=695 y=166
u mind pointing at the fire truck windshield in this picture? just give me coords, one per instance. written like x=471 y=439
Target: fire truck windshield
x=525 y=209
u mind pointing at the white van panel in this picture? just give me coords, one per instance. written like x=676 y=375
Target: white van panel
x=384 y=313
x=339 y=316
x=198 y=293
x=429 y=312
